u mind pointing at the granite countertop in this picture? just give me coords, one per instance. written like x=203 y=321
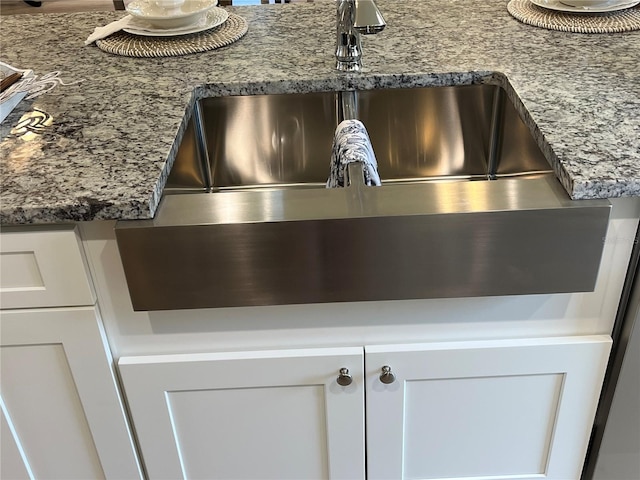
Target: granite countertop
x=111 y=138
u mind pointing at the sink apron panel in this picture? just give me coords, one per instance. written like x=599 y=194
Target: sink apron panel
x=432 y=240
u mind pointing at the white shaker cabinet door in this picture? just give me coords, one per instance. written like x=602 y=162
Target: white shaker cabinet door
x=61 y=415
x=248 y=415
x=511 y=409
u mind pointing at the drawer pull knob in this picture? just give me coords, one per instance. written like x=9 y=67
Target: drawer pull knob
x=387 y=375
x=344 y=378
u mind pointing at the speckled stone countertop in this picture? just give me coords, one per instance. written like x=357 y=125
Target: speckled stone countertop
x=112 y=137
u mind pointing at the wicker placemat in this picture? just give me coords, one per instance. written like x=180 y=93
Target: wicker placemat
x=611 y=22
x=129 y=45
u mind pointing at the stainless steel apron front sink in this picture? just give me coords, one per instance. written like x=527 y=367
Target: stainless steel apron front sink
x=468 y=207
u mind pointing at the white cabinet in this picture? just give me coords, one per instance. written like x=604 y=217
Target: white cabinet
x=61 y=413
x=253 y=415
x=62 y=417
x=484 y=409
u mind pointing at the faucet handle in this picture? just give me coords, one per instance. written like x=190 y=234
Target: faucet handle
x=368 y=19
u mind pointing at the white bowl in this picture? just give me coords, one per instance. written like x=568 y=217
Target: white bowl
x=585 y=3
x=179 y=15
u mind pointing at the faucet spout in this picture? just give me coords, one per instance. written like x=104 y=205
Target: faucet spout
x=355 y=17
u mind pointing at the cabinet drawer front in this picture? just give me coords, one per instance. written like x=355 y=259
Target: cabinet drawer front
x=43 y=268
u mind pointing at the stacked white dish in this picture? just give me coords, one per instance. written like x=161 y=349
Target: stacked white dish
x=162 y=18
x=586 y=6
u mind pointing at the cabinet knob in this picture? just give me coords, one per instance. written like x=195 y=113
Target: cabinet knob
x=344 y=378
x=387 y=375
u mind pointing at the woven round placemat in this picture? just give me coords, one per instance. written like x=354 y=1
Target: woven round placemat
x=610 y=22
x=129 y=45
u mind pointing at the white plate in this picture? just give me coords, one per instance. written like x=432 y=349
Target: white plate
x=159 y=17
x=214 y=17
x=610 y=6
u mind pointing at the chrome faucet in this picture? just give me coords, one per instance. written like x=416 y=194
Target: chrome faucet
x=355 y=17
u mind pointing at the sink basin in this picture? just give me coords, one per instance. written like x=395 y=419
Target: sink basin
x=418 y=134
x=468 y=206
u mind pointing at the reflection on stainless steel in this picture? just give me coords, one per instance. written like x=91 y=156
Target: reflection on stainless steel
x=418 y=134
x=188 y=172
x=348 y=106
x=428 y=133
x=259 y=239
x=262 y=140
x=355 y=17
